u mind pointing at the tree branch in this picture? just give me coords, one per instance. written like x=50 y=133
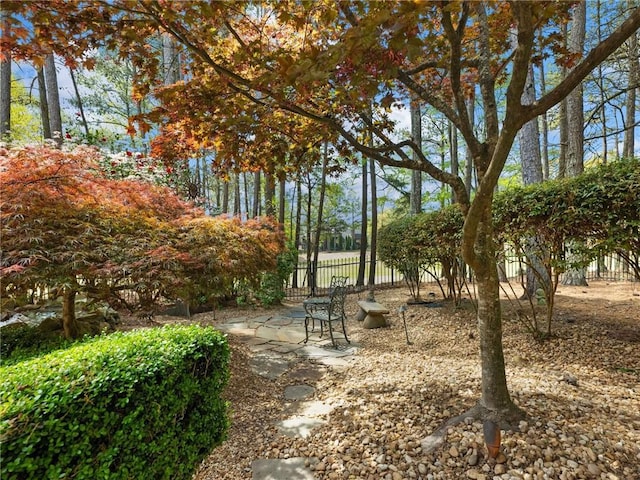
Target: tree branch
x=597 y=55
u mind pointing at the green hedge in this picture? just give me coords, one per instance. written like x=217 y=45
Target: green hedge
x=139 y=405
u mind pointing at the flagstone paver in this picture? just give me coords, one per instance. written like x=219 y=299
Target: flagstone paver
x=274 y=469
x=274 y=341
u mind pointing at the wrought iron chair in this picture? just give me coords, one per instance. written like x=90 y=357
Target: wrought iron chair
x=322 y=302
x=328 y=314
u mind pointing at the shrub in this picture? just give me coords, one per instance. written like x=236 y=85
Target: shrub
x=424 y=243
x=271 y=289
x=143 y=404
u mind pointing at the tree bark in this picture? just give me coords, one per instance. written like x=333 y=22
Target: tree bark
x=630 y=102
x=282 y=201
x=374 y=225
x=318 y=232
x=69 y=322
x=530 y=158
x=296 y=238
x=225 y=196
x=415 y=197
x=44 y=104
x=53 y=98
x=363 y=227
x=256 y=195
x=453 y=153
x=170 y=60
x=85 y=125
x=269 y=195
x=237 y=210
x=575 y=104
x=575 y=124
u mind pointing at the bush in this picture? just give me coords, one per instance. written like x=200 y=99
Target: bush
x=425 y=243
x=22 y=341
x=143 y=404
x=271 y=291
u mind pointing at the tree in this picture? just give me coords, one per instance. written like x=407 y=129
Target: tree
x=530 y=157
x=329 y=63
x=575 y=124
x=633 y=84
x=53 y=98
x=415 y=199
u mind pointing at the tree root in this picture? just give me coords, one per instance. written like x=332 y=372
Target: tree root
x=506 y=419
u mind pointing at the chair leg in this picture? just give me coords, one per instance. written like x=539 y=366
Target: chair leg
x=306 y=328
x=333 y=341
x=344 y=330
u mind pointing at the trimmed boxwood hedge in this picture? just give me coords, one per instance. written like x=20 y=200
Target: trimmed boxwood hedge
x=144 y=404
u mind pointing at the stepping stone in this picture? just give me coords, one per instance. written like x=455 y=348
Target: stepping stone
x=277 y=469
x=299 y=426
x=269 y=365
x=312 y=374
x=279 y=322
x=315 y=408
x=298 y=392
x=296 y=313
x=282 y=334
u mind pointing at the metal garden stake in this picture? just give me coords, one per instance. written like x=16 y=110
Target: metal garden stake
x=402 y=310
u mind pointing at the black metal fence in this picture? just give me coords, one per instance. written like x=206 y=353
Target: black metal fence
x=609 y=267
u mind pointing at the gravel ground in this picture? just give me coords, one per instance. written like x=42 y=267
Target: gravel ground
x=580 y=390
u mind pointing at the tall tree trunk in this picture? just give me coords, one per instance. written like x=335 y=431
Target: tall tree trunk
x=269 y=195
x=601 y=90
x=69 y=322
x=468 y=166
x=282 y=201
x=225 y=196
x=256 y=195
x=374 y=223
x=5 y=84
x=363 y=228
x=53 y=98
x=237 y=211
x=218 y=190
x=44 y=104
x=563 y=121
x=545 y=128
x=495 y=394
x=310 y=272
x=85 y=125
x=575 y=123
x=245 y=189
x=318 y=232
x=630 y=103
x=453 y=153
x=170 y=60
x=529 y=139
x=415 y=197
x=296 y=237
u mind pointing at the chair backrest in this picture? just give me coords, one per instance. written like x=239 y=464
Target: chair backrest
x=338 y=281
x=338 y=296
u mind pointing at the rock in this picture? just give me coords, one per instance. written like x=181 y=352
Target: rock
x=422 y=469
x=453 y=451
x=501 y=458
x=51 y=324
x=473 y=459
x=474 y=474
x=570 y=379
x=499 y=469
x=593 y=469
